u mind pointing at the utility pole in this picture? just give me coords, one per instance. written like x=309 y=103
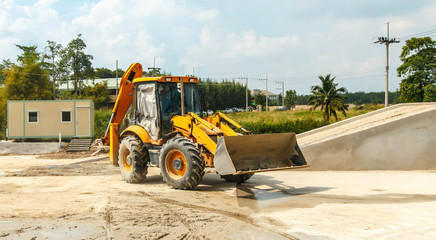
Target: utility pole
x=387 y=41
x=116 y=76
x=283 y=92
x=266 y=86
x=52 y=76
x=246 y=92
x=154 y=68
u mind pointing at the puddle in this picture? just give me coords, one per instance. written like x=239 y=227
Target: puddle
x=260 y=197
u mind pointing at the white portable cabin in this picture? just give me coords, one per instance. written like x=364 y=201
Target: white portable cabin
x=50 y=118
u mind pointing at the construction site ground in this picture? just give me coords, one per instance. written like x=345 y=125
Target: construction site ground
x=54 y=197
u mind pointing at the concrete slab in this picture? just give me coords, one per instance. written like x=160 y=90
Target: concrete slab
x=87 y=199
x=10 y=147
x=400 y=137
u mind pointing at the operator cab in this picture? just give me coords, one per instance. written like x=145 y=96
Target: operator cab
x=158 y=101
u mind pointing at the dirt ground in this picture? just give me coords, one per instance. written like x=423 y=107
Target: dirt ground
x=48 y=197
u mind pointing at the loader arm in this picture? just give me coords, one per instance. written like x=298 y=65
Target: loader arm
x=220 y=120
x=234 y=154
x=194 y=127
x=123 y=101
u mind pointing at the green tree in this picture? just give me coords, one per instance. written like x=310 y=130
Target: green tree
x=290 y=99
x=221 y=95
x=430 y=93
x=79 y=62
x=5 y=66
x=328 y=97
x=107 y=73
x=28 y=80
x=99 y=94
x=418 y=69
x=3 y=114
x=155 y=72
x=104 y=73
x=121 y=73
x=260 y=99
x=54 y=63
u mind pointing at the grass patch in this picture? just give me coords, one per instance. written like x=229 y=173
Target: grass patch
x=297 y=121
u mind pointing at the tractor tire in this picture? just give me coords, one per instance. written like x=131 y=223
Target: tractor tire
x=181 y=164
x=132 y=159
x=237 y=178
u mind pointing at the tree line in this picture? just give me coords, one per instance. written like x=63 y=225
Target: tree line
x=36 y=75
x=358 y=98
x=220 y=95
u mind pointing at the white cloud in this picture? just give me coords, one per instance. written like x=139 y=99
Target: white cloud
x=220 y=39
x=249 y=44
x=217 y=50
x=202 y=14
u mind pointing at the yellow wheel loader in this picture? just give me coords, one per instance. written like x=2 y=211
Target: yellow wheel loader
x=155 y=122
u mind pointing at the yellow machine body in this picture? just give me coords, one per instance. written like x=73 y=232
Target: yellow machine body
x=216 y=137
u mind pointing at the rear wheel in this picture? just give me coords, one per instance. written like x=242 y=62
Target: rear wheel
x=132 y=159
x=181 y=164
x=237 y=178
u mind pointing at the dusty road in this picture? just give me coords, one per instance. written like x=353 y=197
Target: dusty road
x=87 y=199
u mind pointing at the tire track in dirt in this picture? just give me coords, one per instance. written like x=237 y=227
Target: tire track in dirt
x=190 y=228
x=235 y=215
x=108 y=218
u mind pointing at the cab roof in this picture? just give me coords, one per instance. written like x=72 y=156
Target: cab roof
x=186 y=79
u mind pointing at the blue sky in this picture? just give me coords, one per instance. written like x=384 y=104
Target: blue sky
x=282 y=40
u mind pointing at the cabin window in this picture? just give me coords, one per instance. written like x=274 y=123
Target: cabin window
x=32 y=116
x=65 y=116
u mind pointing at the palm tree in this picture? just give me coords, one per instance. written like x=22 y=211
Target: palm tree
x=328 y=97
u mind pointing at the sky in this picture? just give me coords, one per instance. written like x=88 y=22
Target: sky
x=280 y=40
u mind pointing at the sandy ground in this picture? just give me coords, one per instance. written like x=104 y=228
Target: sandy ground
x=86 y=198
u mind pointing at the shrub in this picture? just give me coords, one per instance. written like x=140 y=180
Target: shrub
x=101 y=121
x=297 y=126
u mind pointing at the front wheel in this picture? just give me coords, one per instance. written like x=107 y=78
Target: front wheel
x=181 y=164
x=132 y=159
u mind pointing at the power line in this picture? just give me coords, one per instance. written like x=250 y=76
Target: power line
x=429 y=32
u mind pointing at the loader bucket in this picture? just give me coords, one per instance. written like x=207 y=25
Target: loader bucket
x=257 y=153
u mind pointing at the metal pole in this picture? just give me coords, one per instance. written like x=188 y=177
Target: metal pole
x=52 y=76
x=283 y=94
x=387 y=70
x=182 y=96
x=387 y=76
x=116 y=76
x=246 y=94
x=266 y=83
x=387 y=41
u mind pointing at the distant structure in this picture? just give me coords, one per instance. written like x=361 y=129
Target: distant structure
x=271 y=96
x=50 y=119
x=111 y=82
